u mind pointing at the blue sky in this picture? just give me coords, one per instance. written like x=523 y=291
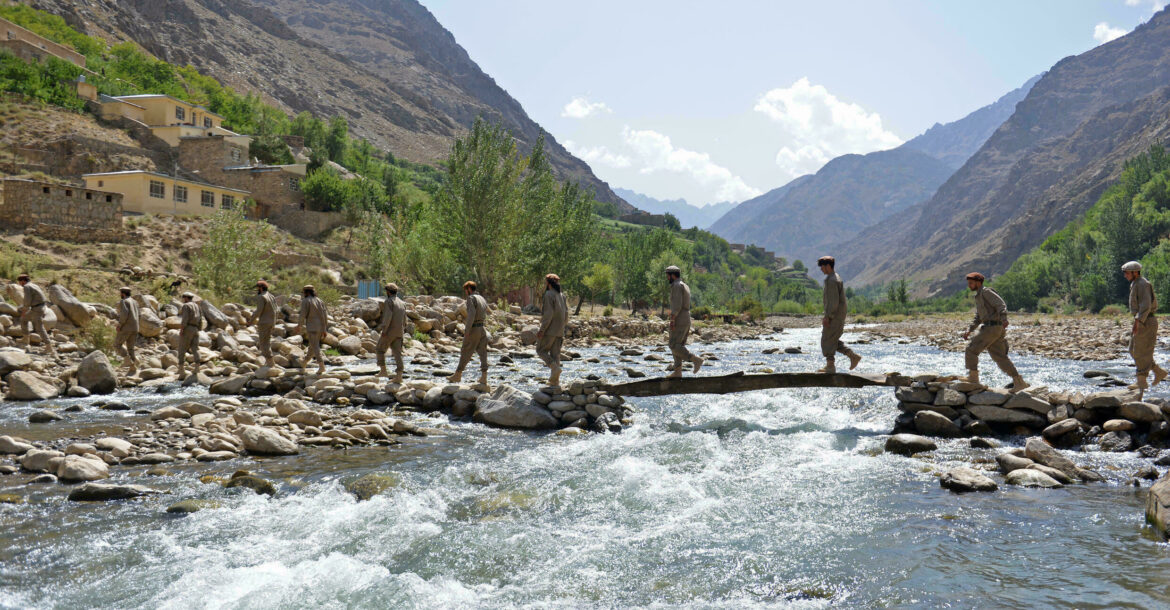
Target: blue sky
x=714 y=101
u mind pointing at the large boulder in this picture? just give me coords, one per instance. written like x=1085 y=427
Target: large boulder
x=1024 y=400
x=909 y=444
x=930 y=423
x=1027 y=477
x=367 y=310
x=81 y=468
x=149 y=324
x=23 y=385
x=528 y=335
x=1142 y=412
x=215 y=318
x=75 y=311
x=510 y=408
x=262 y=441
x=999 y=415
x=96 y=374
x=966 y=479
x=1117 y=442
x=1042 y=453
x=12 y=360
x=99 y=492
x=1158 y=506
x=232 y=385
x=40 y=460
x=351 y=345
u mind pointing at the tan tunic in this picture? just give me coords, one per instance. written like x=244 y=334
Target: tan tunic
x=393 y=318
x=554 y=314
x=191 y=320
x=1143 y=304
x=989 y=309
x=127 y=316
x=835 y=309
x=33 y=296
x=475 y=337
x=314 y=316
x=680 y=311
x=989 y=333
x=265 y=314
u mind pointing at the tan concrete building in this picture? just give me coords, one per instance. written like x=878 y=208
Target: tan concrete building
x=30 y=46
x=146 y=192
x=169 y=118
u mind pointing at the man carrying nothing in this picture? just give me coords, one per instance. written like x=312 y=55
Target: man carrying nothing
x=475 y=336
x=127 y=329
x=554 y=315
x=833 y=322
x=314 y=319
x=264 y=317
x=191 y=322
x=680 y=322
x=32 y=315
x=1143 y=304
x=990 y=327
x=392 y=328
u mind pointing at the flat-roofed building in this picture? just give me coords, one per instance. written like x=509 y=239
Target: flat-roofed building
x=31 y=46
x=145 y=192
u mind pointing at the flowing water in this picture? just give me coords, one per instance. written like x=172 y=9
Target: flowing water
x=766 y=499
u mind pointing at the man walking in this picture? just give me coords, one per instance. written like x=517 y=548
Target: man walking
x=990 y=327
x=32 y=315
x=264 y=317
x=127 y=329
x=191 y=322
x=392 y=329
x=1143 y=304
x=833 y=322
x=314 y=319
x=554 y=316
x=680 y=322
x=475 y=336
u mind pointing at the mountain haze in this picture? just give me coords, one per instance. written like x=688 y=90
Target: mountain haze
x=688 y=215
x=387 y=66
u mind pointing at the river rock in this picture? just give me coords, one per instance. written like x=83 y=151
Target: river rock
x=947 y=397
x=918 y=395
x=983 y=443
x=528 y=335
x=1023 y=400
x=1108 y=400
x=1158 y=506
x=43 y=416
x=1142 y=412
x=369 y=485
x=262 y=441
x=1116 y=442
x=116 y=446
x=991 y=396
x=13 y=446
x=96 y=374
x=40 y=460
x=1060 y=429
x=24 y=385
x=217 y=456
x=930 y=423
x=1057 y=475
x=1042 y=453
x=305 y=417
x=964 y=479
x=169 y=413
x=215 y=318
x=999 y=415
x=256 y=484
x=1118 y=425
x=149 y=324
x=1026 y=477
x=190 y=506
x=1009 y=462
x=77 y=468
x=99 y=492
x=232 y=385
x=511 y=408
x=74 y=310
x=909 y=444
x=11 y=360
x=350 y=345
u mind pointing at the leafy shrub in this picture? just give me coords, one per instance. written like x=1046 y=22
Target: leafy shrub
x=608 y=311
x=97 y=334
x=1112 y=310
x=701 y=313
x=787 y=306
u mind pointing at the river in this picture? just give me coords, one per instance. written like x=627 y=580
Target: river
x=768 y=499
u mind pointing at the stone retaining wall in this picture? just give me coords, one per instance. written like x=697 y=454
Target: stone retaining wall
x=27 y=203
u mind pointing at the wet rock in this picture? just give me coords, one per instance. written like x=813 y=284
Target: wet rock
x=115 y=405
x=1061 y=428
x=933 y=424
x=78 y=468
x=1042 y=453
x=96 y=374
x=1023 y=400
x=992 y=396
x=1158 y=506
x=1118 y=425
x=169 y=413
x=44 y=479
x=11 y=499
x=155 y=458
x=511 y=408
x=370 y=485
x=909 y=444
x=24 y=385
x=262 y=441
x=918 y=395
x=977 y=428
x=231 y=385
x=915 y=407
x=966 y=479
x=983 y=443
x=76 y=391
x=1148 y=473
x=608 y=422
x=191 y=506
x=1116 y=442
x=43 y=417
x=256 y=484
x=999 y=415
x=1008 y=462
x=40 y=460
x=1056 y=475
x=100 y=492
x=1027 y=477
x=1143 y=412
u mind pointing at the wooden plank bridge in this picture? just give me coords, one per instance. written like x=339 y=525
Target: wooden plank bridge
x=743 y=382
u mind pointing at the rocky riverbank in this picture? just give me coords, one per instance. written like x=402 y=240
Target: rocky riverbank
x=1077 y=337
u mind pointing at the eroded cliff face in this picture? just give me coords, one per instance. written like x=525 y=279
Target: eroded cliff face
x=388 y=66
x=1043 y=168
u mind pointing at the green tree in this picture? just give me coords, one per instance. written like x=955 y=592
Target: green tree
x=670 y=222
x=235 y=254
x=599 y=281
x=337 y=139
x=374 y=235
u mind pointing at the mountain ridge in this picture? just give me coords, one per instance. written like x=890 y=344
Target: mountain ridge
x=688 y=215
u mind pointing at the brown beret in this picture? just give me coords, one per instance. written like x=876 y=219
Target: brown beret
x=826 y=260
x=469 y=284
x=22 y=277
x=392 y=287
x=262 y=284
x=975 y=275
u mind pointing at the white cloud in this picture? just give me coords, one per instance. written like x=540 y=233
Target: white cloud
x=818 y=126
x=598 y=155
x=1103 y=32
x=655 y=153
x=579 y=108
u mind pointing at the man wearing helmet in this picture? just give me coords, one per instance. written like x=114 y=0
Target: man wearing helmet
x=1143 y=304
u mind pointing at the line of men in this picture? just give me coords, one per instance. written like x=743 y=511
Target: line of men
x=986 y=333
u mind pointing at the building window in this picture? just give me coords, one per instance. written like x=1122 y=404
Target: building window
x=208 y=200
x=236 y=155
x=180 y=113
x=294 y=184
x=157 y=189
x=109 y=198
x=68 y=192
x=88 y=195
x=227 y=202
x=45 y=190
x=180 y=194
x=207 y=122
x=101 y=183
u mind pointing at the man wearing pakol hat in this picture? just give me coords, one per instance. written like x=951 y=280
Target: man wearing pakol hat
x=32 y=315
x=392 y=328
x=314 y=319
x=680 y=322
x=127 y=329
x=1143 y=304
x=554 y=315
x=833 y=321
x=990 y=327
x=264 y=317
x=475 y=336
x=190 y=323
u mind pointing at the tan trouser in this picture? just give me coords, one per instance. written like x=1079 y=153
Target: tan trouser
x=395 y=347
x=264 y=340
x=475 y=341
x=678 y=340
x=314 y=340
x=188 y=343
x=990 y=339
x=1142 y=343
x=549 y=350
x=124 y=342
x=831 y=339
x=33 y=321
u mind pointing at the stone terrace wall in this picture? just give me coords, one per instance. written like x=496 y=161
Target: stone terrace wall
x=25 y=204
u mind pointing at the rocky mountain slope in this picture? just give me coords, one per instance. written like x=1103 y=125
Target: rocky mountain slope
x=855 y=192
x=388 y=66
x=688 y=215
x=1041 y=169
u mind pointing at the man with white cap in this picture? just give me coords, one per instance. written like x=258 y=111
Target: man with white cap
x=554 y=316
x=191 y=322
x=680 y=322
x=127 y=329
x=989 y=328
x=391 y=331
x=264 y=317
x=1143 y=304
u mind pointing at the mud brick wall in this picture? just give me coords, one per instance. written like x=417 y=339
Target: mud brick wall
x=26 y=203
